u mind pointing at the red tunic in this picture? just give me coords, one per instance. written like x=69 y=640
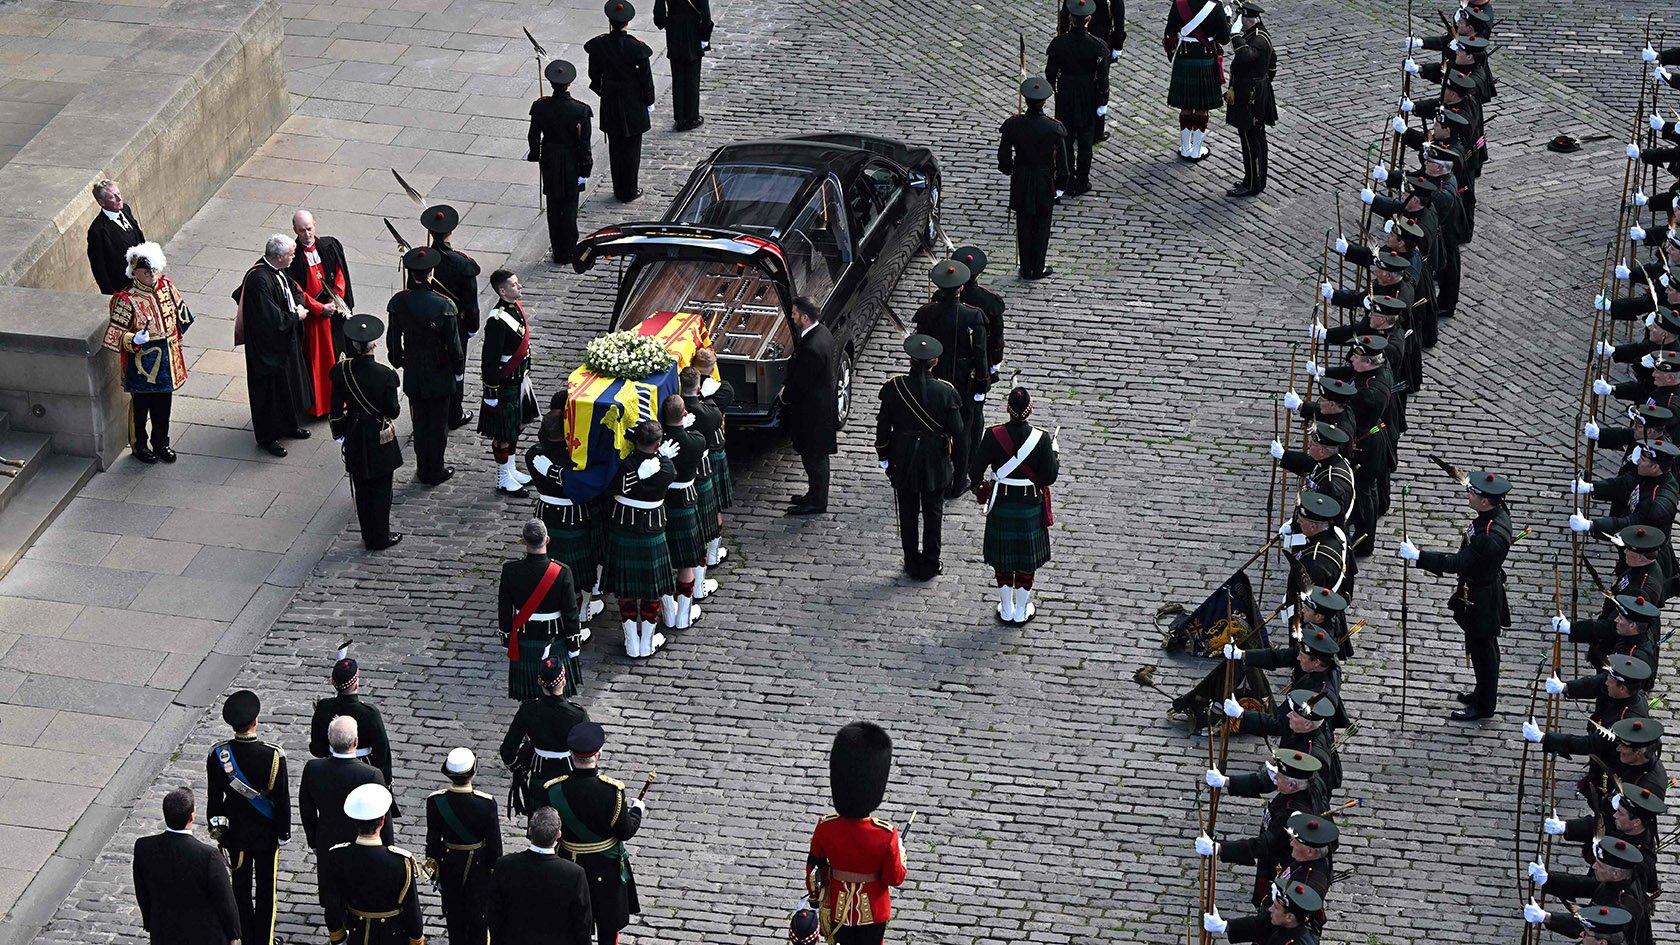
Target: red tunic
x=855 y=849
x=317 y=332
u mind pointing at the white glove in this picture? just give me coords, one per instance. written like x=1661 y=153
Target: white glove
x=705 y=45
x=1378 y=174
x=1638 y=198
x=141 y=337
x=1660 y=74
x=669 y=449
x=1205 y=846
x=1388 y=226
x=1531 y=912
x=1648 y=54
x=1408 y=551
x=1560 y=625
x=1414 y=42
x=1215 y=780
x=1601 y=303
x=1604 y=349
x=1590 y=430
x=1233 y=708
x=1314 y=369
x=1341 y=246
x=1399 y=126
x=639 y=804
x=1294 y=541
x=1602 y=387
x=1318 y=332
x=1553 y=826
x=1325 y=290
x=883 y=464
x=1291 y=401
x=1579 y=522
x=582 y=181
x=462 y=377
x=1276 y=450
x=1271 y=771
x=300 y=311
x=1366 y=303
x=1060 y=193
x=491 y=401
x=1406 y=106
x=339 y=440
x=1454 y=46
x=1211 y=922
x=1532 y=732
x=1634 y=456
x=1366 y=195
x=1114 y=55
x=1286 y=529
x=1412 y=66
x=1622 y=272
x=1636 y=233
x=1102 y=110
x=1656 y=122
x=647 y=468
x=650 y=109
x=1537 y=872
x=1580 y=487
x=1232 y=652
x=1554 y=685
x=1648 y=362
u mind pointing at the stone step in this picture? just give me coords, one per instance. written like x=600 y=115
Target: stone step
x=18 y=446
x=30 y=501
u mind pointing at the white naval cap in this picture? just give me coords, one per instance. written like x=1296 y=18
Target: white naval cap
x=368 y=802
x=460 y=761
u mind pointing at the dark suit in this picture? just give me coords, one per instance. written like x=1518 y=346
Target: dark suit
x=364 y=396
x=1032 y=152
x=539 y=899
x=919 y=420
x=1076 y=65
x=457 y=278
x=811 y=408
x=424 y=341
x=687 y=24
x=184 y=892
x=464 y=858
x=251 y=840
x=274 y=368
x=620 y=75
x=559 y=139
x=108 y=244
x=326 y=782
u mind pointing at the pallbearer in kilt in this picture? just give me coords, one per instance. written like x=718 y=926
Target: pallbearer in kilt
x=718 y=394
x=463 y=843
x=708 y=422
x=1195 y=32
x=536 y=605
x=574 y=527
x=638 y=558
x=856 y=859
x=684 y=535
x=1025 y=462
x=505 y=363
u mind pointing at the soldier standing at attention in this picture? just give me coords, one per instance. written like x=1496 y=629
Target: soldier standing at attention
x=457 y=278
x=1249 y=103
x=596 y=816
x=1108 y=23
x=505 y=360
x=536 y=605
x=1195 y=32
x=426 y=347
x=559 y=139
x=364 y=404
x=1026 y=462
x=536 y=739
x=960 y=330
x=1076 y=65
x=374 y=747
x=463 y=843
x=688 y=34
x=619 y=74
x=1032 y=152
x=856 y=859
x=250 y=809
x=919 y=419
x=1478 y=603
x=369 y=890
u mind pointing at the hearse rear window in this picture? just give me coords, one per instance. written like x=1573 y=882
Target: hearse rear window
x=748 y=197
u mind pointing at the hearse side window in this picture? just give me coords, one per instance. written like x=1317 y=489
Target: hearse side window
x=878 y=186
x=818 y=245
x=747 y=197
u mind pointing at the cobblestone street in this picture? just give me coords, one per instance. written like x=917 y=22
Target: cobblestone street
x=1057 y=802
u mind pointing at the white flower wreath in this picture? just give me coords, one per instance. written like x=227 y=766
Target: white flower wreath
x=626 y=354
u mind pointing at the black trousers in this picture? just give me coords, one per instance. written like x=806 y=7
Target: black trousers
x=1447 y=276
x=685 y=91
x=273 y=412
x=562 y=222
x=458 y=397
x=927 y=510
x=153 y=407
x=1254 y=157
x=1077 y=144
x=962 y=447
x=431 y=434
x=253 y=892
x=605 y=934
x=1483 y=649
x=1032 y=240
x=373 y=508
x=463 y=909
x=624 y=157
x=816 y=477
x=861 y=934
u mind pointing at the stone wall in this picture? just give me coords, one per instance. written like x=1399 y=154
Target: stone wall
x=56 y=377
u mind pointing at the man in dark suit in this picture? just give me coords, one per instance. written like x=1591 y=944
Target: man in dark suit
x=250 y=806
x=456 y=277
x=425 y=344
x=325 y=785
x=688 y=34
x=811 y=406
x=559 y=139
x=620 y=75
x=271 y=315
x=181 y=884
x=364 y=404
x=112 y=233
x=538 y=897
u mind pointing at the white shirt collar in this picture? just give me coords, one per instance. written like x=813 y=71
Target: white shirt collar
x=116 y=216
x=807 y=331
x=351 y=754
x=188 y=831
x=537 y=849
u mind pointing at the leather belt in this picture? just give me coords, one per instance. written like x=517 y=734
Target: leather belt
x=374 y=915
x=1016 y=482
x=604 y=846
x=463 y=847
x=847 y=876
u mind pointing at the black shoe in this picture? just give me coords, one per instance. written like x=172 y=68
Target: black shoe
x=1466 y=698
x=298 y=434
x=274 y=449
x=806 y=508
x=166 y=454
x=388 y=542
x=913 y=568
x=1239 y=190
x=1041 y=274
x=631 y=198
x=1471 y=715
x=145 y=456
x=931 y=571
x=448 y=472
x=461 y=421
x=800 y=499
x=1099 y=139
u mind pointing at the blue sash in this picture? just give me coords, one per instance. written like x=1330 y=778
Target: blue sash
x=259 y=801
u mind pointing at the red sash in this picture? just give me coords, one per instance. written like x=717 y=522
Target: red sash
x=530 y=607
x=1009 y=448
x=523 y=351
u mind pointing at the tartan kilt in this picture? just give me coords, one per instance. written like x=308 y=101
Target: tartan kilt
x=711 y=524
x=638 y=564
x=522 y=673
x=722 y=482
x=578 y=548
x=1195 y=84
x=1016 y=539
x=515 y=407
x=683 y=536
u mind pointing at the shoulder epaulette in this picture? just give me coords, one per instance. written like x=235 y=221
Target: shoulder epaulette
x=478 y=793
x=400 y=852
x=555 y=781
x=613 y=781
x=437 y=792
x=883 y=824
x=828 y=817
